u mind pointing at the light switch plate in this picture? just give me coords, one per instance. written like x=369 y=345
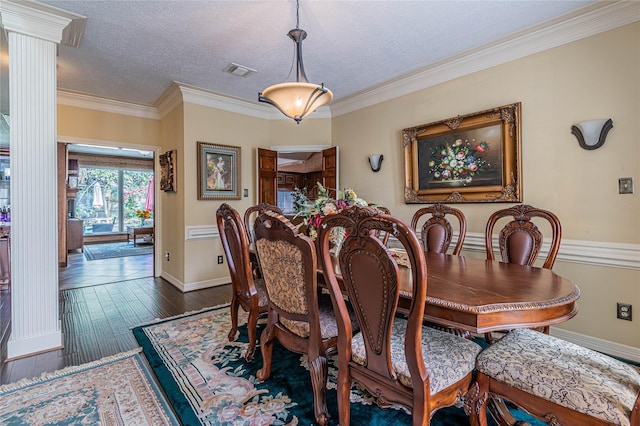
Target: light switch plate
x=625 y=185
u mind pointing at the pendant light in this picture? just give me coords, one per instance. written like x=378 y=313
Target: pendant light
x=296 y=99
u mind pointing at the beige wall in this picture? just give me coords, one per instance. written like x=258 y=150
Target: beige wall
x=98 y=125
x=220 y=127
x=171 y=204
x=592 y=78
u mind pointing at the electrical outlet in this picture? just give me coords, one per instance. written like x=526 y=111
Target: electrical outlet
x=246 y=193
x=624 y=311
x=166 y=255
x=220 y=260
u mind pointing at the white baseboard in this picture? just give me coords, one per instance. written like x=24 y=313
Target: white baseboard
x=610 y=348
x=185 y=287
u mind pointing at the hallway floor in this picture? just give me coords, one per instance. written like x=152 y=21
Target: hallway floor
x=81 y=272
x=99 y=301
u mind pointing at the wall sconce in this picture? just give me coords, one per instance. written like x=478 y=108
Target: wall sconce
x=592 y=134
x=375 y=161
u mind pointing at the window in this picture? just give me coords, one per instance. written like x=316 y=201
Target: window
x=107 y=198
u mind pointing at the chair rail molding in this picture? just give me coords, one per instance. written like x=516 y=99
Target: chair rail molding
x=201 y=232
x=597 y=253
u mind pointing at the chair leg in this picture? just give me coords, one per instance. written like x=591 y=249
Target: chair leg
x=252 y=322
x=344 y=393
x=476 y=400
x=318 y=369
x=234 y=318
x=266 y=347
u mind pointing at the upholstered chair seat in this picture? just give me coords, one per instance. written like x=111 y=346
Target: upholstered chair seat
x=562 y=373
x=328 y=326
x=448 y=358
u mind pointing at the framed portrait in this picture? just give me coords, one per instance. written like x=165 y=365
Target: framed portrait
x=218 y=172
x=168 y=171
x=465 y=159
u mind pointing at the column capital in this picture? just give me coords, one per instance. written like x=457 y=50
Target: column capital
x=42 y=21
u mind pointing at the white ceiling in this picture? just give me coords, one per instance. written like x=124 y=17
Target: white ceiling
x=133 y=50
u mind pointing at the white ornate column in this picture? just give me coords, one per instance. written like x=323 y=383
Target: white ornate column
x=33 y=32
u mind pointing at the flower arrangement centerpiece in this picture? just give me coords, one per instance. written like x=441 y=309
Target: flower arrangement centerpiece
x=458 y=161
x=143 y=214
x=312 y=212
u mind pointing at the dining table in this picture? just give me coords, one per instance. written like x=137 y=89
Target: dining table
x=480 y=296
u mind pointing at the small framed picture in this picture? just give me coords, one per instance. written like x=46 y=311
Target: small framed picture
x=218 y=172
x=168 y=171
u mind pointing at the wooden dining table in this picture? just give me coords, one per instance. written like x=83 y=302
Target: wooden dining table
x=480 y=296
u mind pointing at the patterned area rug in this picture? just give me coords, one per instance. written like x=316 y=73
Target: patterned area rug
x=110 y=250
x=113 y=391
x=208 y=382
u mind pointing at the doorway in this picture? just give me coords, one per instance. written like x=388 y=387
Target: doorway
x=282 y=169
x=110 y=195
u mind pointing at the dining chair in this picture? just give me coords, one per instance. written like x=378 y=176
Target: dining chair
x=248 y=293
x=249 y=214
x=436 y=232
x=383 y=236
x=556 y=381
x=520 y=240
x=299 y=317
x=398 y=360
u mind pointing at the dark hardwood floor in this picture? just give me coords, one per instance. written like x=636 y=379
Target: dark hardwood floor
x=97 y=313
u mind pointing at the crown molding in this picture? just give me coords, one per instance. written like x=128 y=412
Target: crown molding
x=80 y=100
x=586 y=22
x=589 y=21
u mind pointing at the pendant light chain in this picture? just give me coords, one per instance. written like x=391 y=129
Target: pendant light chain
x=300 y=98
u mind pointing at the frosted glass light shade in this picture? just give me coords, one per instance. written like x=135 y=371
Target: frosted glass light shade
x=296 y=99
x=375 y=161
x=592 y=134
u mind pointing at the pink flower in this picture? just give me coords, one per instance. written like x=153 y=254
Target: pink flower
x=262 y=420
x=228 y=413
x=473 y=167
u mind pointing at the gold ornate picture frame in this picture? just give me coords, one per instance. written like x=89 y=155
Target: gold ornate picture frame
x=218 y=172
x=470 y=158
x=168 y=171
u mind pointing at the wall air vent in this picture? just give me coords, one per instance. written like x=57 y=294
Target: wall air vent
x=239 y=70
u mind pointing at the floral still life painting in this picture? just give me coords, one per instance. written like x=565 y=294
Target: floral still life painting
x=469 y=158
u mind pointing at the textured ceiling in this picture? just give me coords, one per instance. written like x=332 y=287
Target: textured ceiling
x=133 y=50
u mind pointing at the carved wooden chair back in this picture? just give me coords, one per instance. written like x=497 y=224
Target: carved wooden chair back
x=249 y=214
x=520 y=240
x=383 y=236
x=298 y=317
x=436 y=232
x=255 y=211
x=248 y=293
x=393 y=357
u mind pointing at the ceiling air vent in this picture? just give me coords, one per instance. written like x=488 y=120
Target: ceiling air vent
x=239 y=70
